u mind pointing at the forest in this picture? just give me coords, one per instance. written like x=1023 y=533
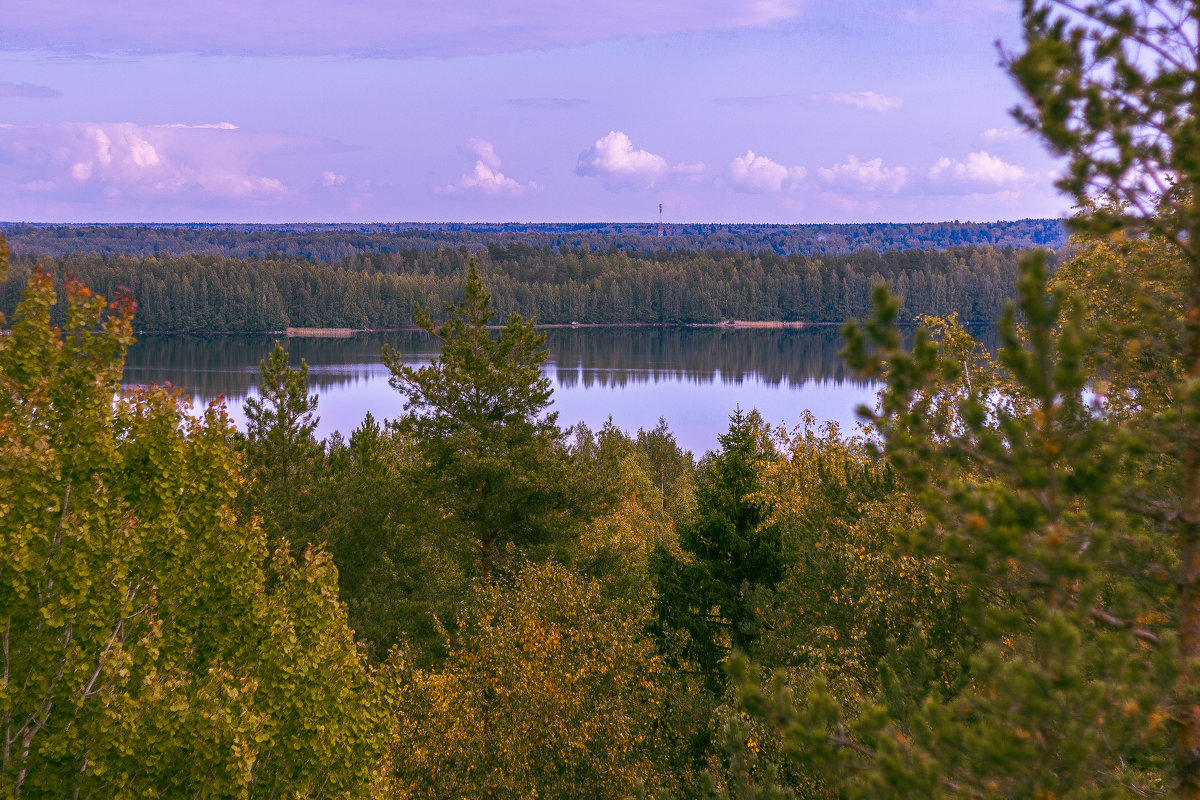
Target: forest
x=992 y=592
x=331 y=243
x=377 y=291
x=474 y=602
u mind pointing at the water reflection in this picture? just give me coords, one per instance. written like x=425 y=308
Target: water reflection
x=694 y=377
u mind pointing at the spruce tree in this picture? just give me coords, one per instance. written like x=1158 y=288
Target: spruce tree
x=726 y=553
x=282 y=450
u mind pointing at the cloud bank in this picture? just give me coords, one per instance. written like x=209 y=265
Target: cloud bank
x=755 y=173
x=615 y=160
x=864 y=100
x=980 y=169
x=378 y=28
x=486 y=179
x=113 y=160
x=859 y=176
x=1004 y=135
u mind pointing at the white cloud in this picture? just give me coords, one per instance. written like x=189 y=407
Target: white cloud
x=866 y=101
x=483 y=151
x=870 y=175
x=376 y=28
x=124 y=159
x=614 y=156
x=615 y=160
x=214 y=126
x=486 y=178
x=930 y=12
x=755 y=173
x=1004 y=135
x=331 y=179
x=980 y=168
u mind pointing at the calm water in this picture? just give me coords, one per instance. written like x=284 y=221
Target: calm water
x=695 y=378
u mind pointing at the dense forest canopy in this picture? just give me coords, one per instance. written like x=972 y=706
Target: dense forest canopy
x=210 y=293
x=334 y=242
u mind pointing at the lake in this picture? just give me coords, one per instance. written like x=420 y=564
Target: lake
x=693 y=377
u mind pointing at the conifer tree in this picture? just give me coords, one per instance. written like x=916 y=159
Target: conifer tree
x=479 y=415
x=1063 y=591
x=1073 y=521
x=727 y=552
x=1114 y=86
x=284 y=455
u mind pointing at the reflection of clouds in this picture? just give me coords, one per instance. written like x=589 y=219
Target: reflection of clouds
x=698 y=412
x=693 y=377
x=606 y=378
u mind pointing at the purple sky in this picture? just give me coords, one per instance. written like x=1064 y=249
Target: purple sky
x=544 y=110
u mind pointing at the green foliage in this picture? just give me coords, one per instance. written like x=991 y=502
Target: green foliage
x=851 y=607
x=282 y=415
x=728 y=550
x=360 y=246
x=282 y=453
x=1115 y=87
x=210 y=293
x=674 y=468
x=636 y=486
x=1131 y=289
x=1063 y=593
x=399 y=572
x=151 y=646
x=1111 y=86
x=550 y=692
x=478 y=416
x=850 y=595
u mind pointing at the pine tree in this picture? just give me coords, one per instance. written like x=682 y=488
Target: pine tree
x=1114 y=86
x=479 y=415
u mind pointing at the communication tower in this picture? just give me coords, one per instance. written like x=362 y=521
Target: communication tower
x=660 y=227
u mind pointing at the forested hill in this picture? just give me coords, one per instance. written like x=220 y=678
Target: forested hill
x=214 y=293
x=333 y=242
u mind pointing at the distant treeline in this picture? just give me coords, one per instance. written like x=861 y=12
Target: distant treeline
x=331 y=243
x=616 y=357
x=214 y=293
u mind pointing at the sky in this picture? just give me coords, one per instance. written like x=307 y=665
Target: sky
x=723 y=111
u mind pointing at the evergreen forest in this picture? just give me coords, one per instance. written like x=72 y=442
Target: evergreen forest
x=991 y=590
x=206 y=293
x=332 y=243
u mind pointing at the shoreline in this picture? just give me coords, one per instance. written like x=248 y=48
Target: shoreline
x=341 y=333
